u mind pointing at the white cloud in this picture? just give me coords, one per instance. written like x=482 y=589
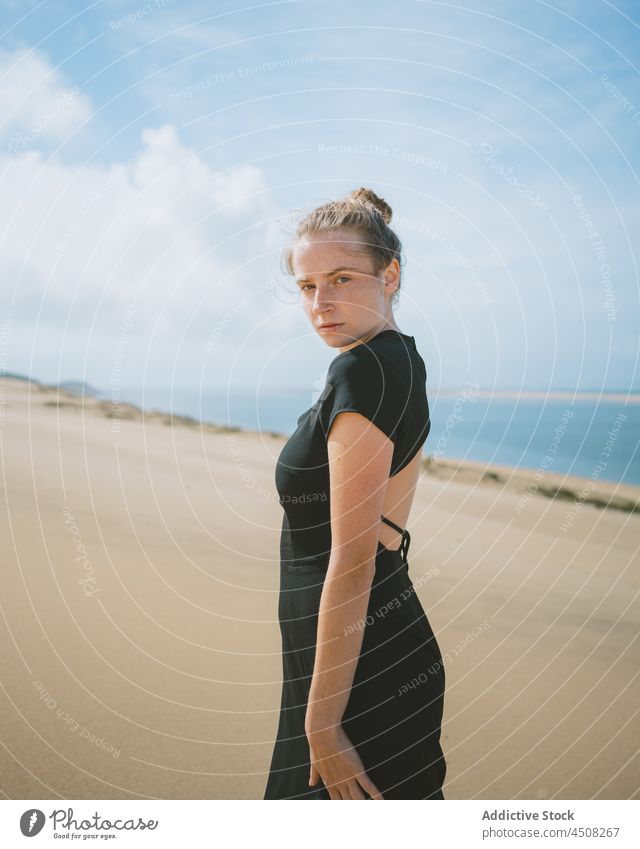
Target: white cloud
x=36 y=101
x=163 y=233
x=162 y=229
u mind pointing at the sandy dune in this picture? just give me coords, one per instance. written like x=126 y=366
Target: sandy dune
x=140 y=644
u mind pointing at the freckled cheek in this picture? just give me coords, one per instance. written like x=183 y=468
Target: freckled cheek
x=346 y=296
x=364 y=296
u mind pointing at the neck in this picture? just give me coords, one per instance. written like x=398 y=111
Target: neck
x=369 y=336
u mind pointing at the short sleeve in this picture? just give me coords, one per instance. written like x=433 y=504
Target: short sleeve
x=365 y=383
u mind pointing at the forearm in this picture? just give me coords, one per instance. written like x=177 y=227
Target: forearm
x=341 y=623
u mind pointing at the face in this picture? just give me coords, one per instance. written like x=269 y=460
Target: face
x=338 y=286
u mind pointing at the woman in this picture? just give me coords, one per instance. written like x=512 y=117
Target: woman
x=363 y=679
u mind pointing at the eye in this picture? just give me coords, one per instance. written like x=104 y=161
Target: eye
x=305 y=286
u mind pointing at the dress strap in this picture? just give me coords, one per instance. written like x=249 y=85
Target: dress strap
x=393 y=524
x=406 y=538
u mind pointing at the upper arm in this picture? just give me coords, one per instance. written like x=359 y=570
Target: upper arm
x=361 y=417
x=360 y=457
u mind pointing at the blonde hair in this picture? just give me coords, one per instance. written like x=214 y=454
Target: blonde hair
x=361 y=210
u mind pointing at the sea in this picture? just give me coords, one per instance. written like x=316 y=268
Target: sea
x=580 y=434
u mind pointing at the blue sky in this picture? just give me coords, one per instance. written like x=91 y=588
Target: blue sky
x=153 y=154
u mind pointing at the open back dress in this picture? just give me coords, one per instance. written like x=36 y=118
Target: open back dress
x=394 y=712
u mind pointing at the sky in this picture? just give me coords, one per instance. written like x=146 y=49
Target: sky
x=155 y=157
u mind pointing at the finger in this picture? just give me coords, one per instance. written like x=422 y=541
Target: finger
x=355 y=790
x=370 y=787
x=336 y=791
x=345 y=789
x=314 y=776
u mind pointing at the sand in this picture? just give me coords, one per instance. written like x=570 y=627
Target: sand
x=140 y=643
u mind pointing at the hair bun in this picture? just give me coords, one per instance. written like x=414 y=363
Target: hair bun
x=370 y=198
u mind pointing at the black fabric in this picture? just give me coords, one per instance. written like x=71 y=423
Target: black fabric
x=384 y=380
x=394 y=712
x=406 y=538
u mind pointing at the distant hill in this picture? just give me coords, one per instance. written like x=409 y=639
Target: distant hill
x=79 y=387
x=76 y=387
x=14 y=376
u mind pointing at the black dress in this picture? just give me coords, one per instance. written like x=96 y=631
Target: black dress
x=394 y=712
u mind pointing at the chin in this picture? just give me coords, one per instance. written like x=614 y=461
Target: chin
x=336 y=340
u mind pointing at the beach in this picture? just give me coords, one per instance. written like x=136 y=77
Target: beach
x=140 y=640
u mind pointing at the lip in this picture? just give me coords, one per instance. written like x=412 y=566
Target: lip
x=329 y=326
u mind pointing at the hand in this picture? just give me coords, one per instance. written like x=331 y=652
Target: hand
x=336 y=761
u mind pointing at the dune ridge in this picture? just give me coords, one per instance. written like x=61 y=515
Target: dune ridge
x=528 y=482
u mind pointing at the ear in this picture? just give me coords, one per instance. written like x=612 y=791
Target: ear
x=392 y=275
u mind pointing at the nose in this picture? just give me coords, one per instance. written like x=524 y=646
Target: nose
x=320 y=304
